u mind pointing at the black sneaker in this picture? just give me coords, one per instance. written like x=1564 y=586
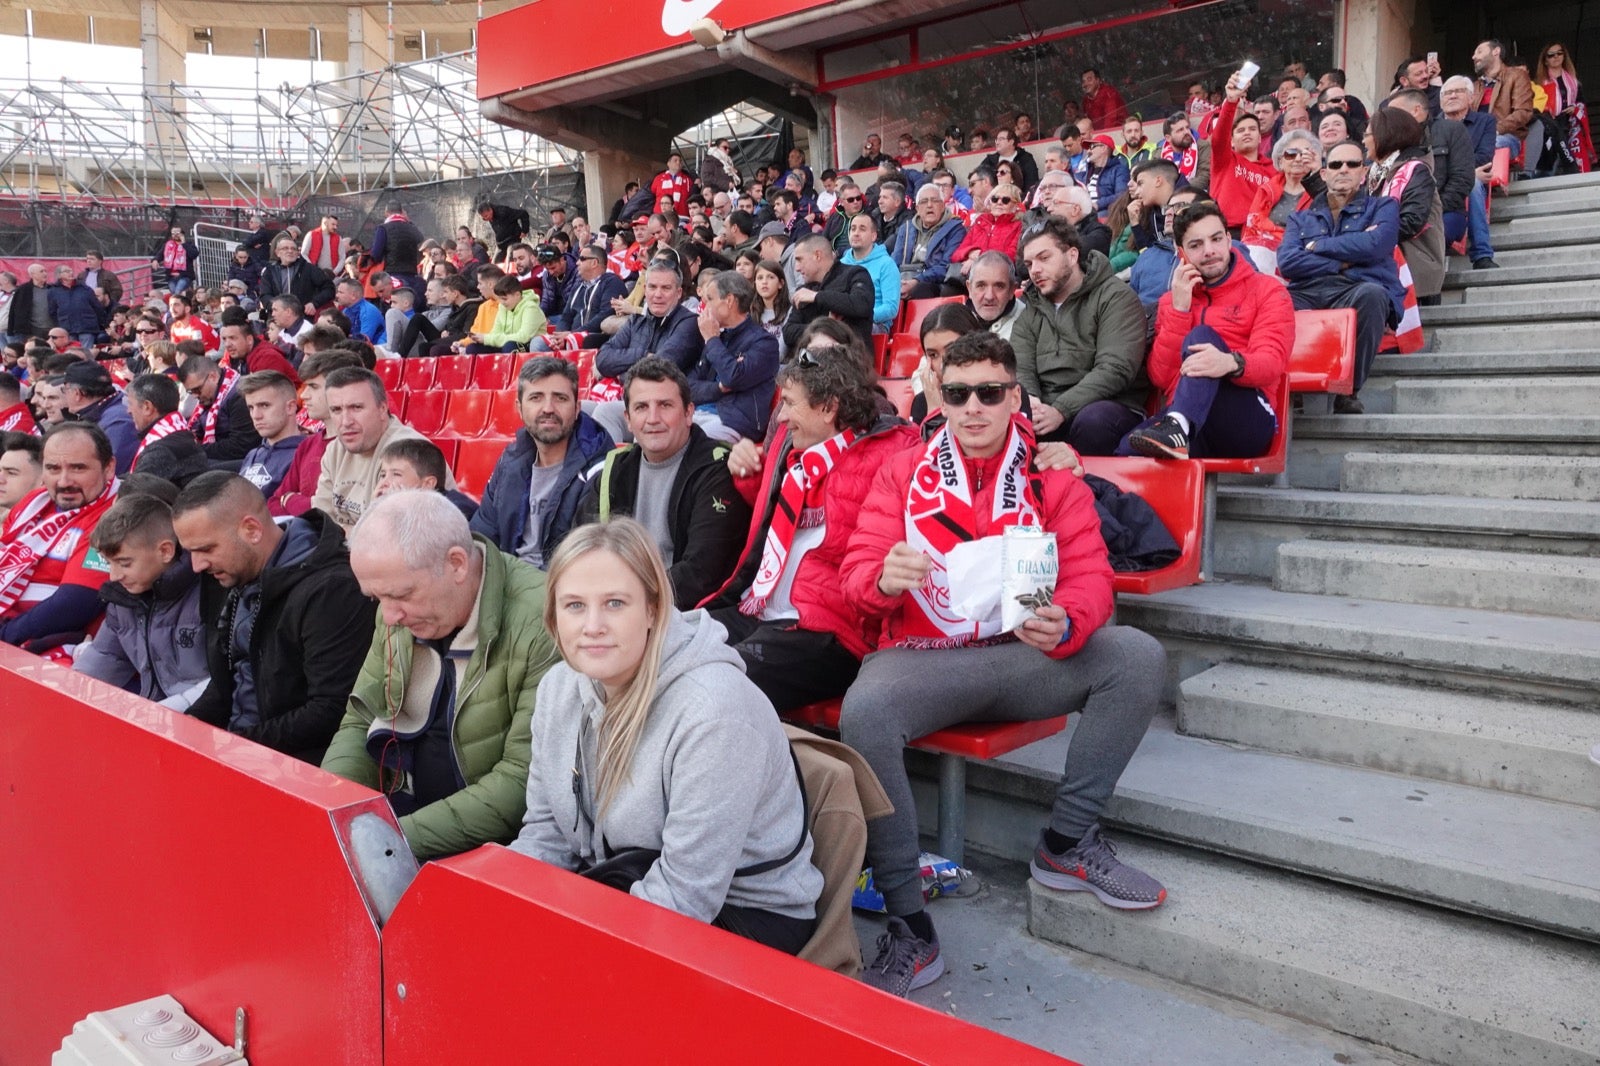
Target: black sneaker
x=905 y=961
x=1486 y=263
x=1162 y=439
x=1348 y=405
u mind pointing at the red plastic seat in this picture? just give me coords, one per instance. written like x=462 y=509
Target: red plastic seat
x=1274 y=461
x=388 y=371
x=475 y=461
x=493 y=371
x=454 y=372
x=899 y=392
x=417 y=374
x=468 y=413
x=1176 y=491
x=449 y=446
x=504 y=417
x=1324 y=355
x=914 y=311
x=585 y=368
x=905 y=352
x=397 y=403
x=425 y=411
x=880 y=350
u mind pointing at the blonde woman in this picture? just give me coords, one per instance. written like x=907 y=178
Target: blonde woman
x=651 y=746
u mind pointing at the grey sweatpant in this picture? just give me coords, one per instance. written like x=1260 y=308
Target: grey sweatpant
x=1115 y=679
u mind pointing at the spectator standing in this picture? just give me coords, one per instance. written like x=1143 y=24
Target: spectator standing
x=510 y=225
x=104 y=283
x=674 y=184
x=397 y=250
x=75 y=308
x=30 y=306
x=291 y=275
x=323 y=247
x=1102 y=104
x=177 y=257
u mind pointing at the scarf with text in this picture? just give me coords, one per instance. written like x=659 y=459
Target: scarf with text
x=175 y=257
x=940 y=514
x=799 y=507
x=32 y=532
x=166 y=426
x=204 y=420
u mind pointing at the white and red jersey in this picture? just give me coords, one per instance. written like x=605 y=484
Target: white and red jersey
x=18 y=419
x=678 y=186
x=194 y=328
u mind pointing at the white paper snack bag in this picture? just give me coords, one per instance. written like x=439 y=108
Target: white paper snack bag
x=1027 y=573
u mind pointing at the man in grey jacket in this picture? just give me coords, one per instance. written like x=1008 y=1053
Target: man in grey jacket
x=1080 y=343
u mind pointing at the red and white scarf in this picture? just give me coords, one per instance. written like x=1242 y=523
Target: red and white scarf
x=31 y=534
x=799 y=507
x=204 y=420
x=166 y=426
x=175 y=257
x=1185 y=159
x=940 y=515
x=18 y=419
x=1408 y=335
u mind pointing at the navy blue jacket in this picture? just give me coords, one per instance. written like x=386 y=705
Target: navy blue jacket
x=553 y=290
x=947 y=236
x=1359 y=244
x=1480 y=127
x=76 y=310
x=1113 y=180
x=588 y=305
x=503 y=513
x=113 y=419
x=675 y=337
x=743 y=360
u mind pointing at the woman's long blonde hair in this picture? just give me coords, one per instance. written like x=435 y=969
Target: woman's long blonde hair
x=1541 y=73
x=623 y=721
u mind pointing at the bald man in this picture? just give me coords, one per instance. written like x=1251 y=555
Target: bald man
x=439 y=721
x=286 y=623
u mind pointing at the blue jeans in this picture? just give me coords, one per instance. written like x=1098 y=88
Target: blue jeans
x=1478 y=245
x=177 y=285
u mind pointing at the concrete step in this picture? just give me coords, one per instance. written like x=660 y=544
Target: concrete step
x=1511 y=338
x=1470 y=364
x=1541 y=233
x=1521 y=582
x=1253 y=521
x=1461 y=275
x=1446 y=987
x=1572 y=255
x=1572 y=204
x=1510 y=477
x=1489 y=742
x=1572 y=394
x=1554 y=659
x=1321 y=442
x=1512 y=297
x=1533 y=309
x=1537 y=189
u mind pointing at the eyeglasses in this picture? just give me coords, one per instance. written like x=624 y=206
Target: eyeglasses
x=989 y=394
x=1554 y=53
x=1003 y=201
x=1333 y=99
x=813 y=356
x=1341 y=164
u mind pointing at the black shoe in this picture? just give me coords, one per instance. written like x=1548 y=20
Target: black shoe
x=1348 y=405
x=1485 y=264
x=1162 y=439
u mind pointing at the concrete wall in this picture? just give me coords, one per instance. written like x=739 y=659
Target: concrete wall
x=1374 y=36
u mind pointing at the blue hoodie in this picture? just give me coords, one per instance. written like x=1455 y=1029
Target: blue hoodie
x=885 y=283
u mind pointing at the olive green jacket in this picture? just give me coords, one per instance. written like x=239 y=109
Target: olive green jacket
x=494 y=709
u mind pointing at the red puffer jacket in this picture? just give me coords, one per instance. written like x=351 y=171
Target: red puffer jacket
x=1083 y=581
x=989 y=235
x=1251 y=311
x=817 y=591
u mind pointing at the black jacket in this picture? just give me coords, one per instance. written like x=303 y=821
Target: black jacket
x=846 y=292
x=709 y=519
x=309 y=641
x=306 y=282
x=22 y=307
x=1095 y=235
x=178 y=458
x=1025 y=163
x=236 y=434
x=510 y=225
x=1453 y=164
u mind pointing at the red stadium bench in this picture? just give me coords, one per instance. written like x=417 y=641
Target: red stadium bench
x=912 y=312
x=475 y=462
x=504 y=417
x=1176 y=491
x=880 y=349
x=416 y=375
x=468 y=413
x=493 y=371
x=905 y=352
x=389 y=372
x=954 y=746
x=453 y=372
x=425 y=411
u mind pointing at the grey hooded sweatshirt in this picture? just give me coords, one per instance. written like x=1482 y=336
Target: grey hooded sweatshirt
x=711 y=786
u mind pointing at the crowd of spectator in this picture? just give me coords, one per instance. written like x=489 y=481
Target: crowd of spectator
x=730 y=520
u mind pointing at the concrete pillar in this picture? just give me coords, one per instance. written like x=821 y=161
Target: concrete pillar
x=605 y=172
x=163 y=44
x=370 y=123
x=1374 y=36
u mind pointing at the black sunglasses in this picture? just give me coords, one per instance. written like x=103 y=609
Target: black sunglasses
x=1553 y=54
x=146 y=332
x=989 y=394
x=809 y=357
x=1341 y=164
x=1003 y=201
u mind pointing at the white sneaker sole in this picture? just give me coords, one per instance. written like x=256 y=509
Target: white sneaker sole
x=1068 y=883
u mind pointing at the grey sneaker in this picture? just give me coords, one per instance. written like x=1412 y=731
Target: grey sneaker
x=905 y=961
x=1093 y=866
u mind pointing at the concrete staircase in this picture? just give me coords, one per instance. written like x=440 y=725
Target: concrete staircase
x=1375 y=808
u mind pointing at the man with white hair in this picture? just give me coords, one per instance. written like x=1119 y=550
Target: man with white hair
x=439 y=718
x=1077 y=206
x=1455 y=101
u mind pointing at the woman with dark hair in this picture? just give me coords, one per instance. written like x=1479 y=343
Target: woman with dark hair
x=941 y=326
x=1400 y=171
x=771 y=306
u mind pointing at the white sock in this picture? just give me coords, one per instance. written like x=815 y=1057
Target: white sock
x=1183 y=423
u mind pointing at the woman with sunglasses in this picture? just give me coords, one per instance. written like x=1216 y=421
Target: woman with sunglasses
x=996 y=230
x=651 y=740
x=1401 y=171
x=1564 y=94
x=1298 y=157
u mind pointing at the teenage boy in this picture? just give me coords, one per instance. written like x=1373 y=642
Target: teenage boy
x=153 y=638
x=272 y=403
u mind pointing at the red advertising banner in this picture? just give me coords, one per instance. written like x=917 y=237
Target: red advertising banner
x=519 y=48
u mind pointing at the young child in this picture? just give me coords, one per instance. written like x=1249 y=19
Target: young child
x=152 y=641
x=401 y=306
x=414 y=463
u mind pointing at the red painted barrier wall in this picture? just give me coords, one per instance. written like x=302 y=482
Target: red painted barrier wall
x=503 y=959
x=144 y=852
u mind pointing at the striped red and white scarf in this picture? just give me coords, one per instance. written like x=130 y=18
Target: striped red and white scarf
x=204 y=420
x=940 y=515
x=31 y=534
x=799 y=506
x=1408 y=336
x=166 y=426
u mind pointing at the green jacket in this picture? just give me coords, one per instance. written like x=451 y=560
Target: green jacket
x=494 y=711
x=516 y=325
x=1090 y=348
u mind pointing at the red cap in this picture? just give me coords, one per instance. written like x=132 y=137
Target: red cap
x=1105 y=139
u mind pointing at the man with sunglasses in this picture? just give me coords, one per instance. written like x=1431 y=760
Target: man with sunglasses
x=850 y=203
x=938 y=665
x=1339 y=252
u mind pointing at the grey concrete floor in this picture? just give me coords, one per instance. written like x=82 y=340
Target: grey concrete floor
x=1093 y=1011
